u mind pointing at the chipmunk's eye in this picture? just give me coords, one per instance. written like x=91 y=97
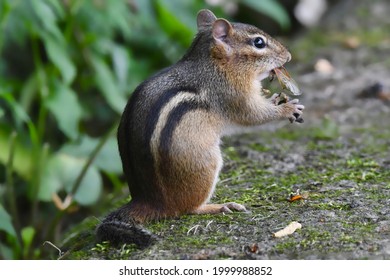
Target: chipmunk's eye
x=259 y=43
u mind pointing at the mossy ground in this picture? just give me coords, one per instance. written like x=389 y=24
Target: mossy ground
x=345 y=214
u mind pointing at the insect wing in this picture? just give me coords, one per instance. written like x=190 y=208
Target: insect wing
x=293 y=87
x=286 y=81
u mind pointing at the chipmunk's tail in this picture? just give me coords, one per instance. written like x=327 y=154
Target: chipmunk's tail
x=123 y=226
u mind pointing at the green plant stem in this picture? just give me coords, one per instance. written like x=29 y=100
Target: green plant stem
x=91 y=158
x=38 y=150
x=10 y=190
x=35 y=201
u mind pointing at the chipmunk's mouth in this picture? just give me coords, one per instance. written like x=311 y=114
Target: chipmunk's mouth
x=284 y=79
x=270 y=74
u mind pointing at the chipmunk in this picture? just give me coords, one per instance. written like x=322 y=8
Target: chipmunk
x=170 y=131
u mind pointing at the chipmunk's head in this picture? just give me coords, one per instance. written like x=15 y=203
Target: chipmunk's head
x=244 y=52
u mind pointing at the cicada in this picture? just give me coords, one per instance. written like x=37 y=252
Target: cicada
x=286 y=81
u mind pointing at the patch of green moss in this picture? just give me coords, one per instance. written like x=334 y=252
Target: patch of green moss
x=309 y=238
x=331 y=205
x=355 y=232
x=286 y=245
x=195 y=231
x=259 y=147
x=312 y=237
x=287 y=134
x=231 y=153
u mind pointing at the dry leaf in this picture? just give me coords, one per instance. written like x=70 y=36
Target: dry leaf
x=290 y=229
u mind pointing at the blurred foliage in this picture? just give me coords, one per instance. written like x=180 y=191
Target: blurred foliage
x=67 y=69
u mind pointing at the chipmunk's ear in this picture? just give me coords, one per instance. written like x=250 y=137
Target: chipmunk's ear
x=221 y=29
x=205 y=18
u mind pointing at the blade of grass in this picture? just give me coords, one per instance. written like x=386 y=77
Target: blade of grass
x=10 y=190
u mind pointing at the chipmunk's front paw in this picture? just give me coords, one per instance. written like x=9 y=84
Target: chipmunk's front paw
x=279 y=98
x=295 y=111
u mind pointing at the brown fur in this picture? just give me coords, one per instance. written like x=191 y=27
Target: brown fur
x=191 y=180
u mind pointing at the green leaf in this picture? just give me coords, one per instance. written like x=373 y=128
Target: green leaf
x=47 y=18
x=5 y=9
x=63 y=104
x=272 y=9
x=52 y=180
x=29 y=91
x=58 y=55
x=107 y=83
x=108 y=158
x=177 y=19
x=61 y=172
x=27 y=234
x=90 y=188
x=57 y=7
x=22 y=158
x=6 y=252
x=119 y=14
x=121 y=59
x=5 y=222
x=19 y=114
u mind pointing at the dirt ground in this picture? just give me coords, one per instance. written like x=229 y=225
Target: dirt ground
x=338 y=159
